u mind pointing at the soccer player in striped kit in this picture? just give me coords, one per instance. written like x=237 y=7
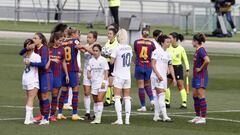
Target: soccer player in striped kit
x=71 y=47
x=200 y=79
x=143 y=49
x=45 y=77
x=58 y=65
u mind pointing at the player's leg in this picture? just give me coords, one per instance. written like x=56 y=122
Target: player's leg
x=109 y=94
x=156 y=109
x=63 y=95
x=75 y=92
x=31 y=94
x=203 y=106
x=139 y=76
x=127 y=101
x=54 y=103
x=147 y=86
x=168 y=93
x=87 y=101
x=118 y=85
x=183 y=93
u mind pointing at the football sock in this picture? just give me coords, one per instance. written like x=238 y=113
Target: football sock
x=168 y=96
x=54 y=104
x=196 y=105
x=87 y=103
x=75 y=102
x=162 y=104
x=118 y=107
x=184 y=97
x=141 y=95
x=61 y=101
x=149 y=92
x=108 y=95
x=203 y=106
x=46 y=108
x=127 y=101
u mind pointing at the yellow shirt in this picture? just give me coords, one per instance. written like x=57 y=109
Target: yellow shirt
x=107 y=49
x=178 y=54
x=114 y=3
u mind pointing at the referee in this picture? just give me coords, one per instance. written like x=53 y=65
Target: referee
x=178 y=54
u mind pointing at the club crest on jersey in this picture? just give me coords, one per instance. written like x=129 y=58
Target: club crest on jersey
x=76 y=42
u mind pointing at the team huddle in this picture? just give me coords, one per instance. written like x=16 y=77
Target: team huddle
x=54 y=67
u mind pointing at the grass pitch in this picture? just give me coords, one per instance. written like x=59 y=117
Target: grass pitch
x=222 y=96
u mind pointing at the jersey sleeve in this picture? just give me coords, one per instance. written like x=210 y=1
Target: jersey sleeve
x=23 y=51
x=185 y=59
x=44 y=59
x=154 y=55
x=202 y=52
x=106 y=67
x=114 y=52
x=89 y=65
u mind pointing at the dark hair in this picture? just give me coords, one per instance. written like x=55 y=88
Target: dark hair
x=200 y=38
x=156 y=33
x=42 y=37
x=94 y=33
x=177 y=36
x=98 y=46
x=115 y=26
x=59 y=27
x=27 y=42
x=147 y=30
x=161 y=39
x=54 y=36
x=113 y=30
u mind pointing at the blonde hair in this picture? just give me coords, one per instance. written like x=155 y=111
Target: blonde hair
x=122 y=36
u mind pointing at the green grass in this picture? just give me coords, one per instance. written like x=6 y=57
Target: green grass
x=222 y=94
x=100 y=27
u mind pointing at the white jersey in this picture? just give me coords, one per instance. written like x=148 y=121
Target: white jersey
x=157 y=45
x=97 y=68
x=163 y=59
x=122 y=65
x=30 y=73
x=87 y=57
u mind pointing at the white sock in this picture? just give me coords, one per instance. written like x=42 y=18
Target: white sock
x=162 y=105
x=29 y=112
x=127 y=101
x=70 y=95
x=87 y=103
x=118 y=107
x=95 y=105
x=156 y=109
x=99 y=109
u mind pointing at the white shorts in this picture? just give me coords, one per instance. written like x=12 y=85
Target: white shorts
x=31 y=86
x=121 y=83
x=158 y=84
x=95 y=91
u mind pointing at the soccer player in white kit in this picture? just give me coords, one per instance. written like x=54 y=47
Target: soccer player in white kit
x=121 y=58
x=98 y=74
x=161 y=61
x=30 y=81
x=87 y=50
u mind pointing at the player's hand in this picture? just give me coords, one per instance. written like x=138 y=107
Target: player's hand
x=103 y=84
x=67 y=79
x=228 y=3
x=27 y=62
x=79 y=74
x=160 y=78
x=198 y=69
x=55 y=60
x=174 y=82
x=187 y=73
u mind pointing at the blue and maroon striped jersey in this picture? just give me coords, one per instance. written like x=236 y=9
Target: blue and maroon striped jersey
x=43 y=52
x=57 y=53
x=198 y=61
x=71 y=54
x=143 y=50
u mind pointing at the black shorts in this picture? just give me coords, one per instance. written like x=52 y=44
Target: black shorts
x=111 y=66
x=178 y=71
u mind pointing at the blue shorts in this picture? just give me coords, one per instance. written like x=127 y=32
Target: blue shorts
x=46 y=82
x=200 y=82
x=142 y=73
x=57 y=82
x=73 y=79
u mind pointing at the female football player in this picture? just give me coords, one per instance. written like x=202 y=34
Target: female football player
x=200 y=79
x=30 y=81
x=161 y=61
x=179 y=56
x=98 y=74
x=121 y=58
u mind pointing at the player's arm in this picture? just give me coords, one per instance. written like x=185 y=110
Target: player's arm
x=113 y=56
x=64 y=64
x=88 y=49
x=170 y=67
x=205 y=63
x=185 y=60
x=154 y=67
x=23 y=51
x=89 y=76
x=44 y=59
